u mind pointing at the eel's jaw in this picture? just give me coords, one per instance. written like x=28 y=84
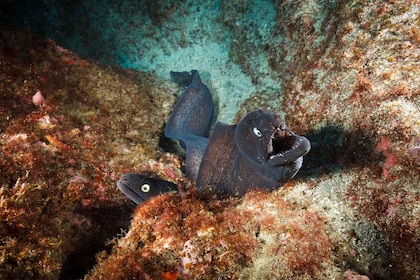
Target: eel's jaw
x=285 y=147
x=125 y=189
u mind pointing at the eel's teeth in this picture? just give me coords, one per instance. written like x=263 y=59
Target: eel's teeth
x=297 y=143
x=270 y=148
x=281 y=154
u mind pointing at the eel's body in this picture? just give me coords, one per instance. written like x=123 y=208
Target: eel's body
x=259 y=152
x=191 y=118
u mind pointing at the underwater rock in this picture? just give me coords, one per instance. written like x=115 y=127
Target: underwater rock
x=259 y=237
x=59 y=162
x=345 y=73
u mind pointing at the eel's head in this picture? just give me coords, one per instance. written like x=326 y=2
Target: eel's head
x=140 y=188
x=263 y=138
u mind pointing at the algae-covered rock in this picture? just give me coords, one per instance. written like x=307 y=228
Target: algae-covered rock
x=260 y=237
x=60 y=159
x=343 y=73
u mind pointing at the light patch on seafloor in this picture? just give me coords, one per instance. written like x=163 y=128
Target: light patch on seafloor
x=15 y=137
x=327 y=198
x=226 y=81
x=198 y=39
x=264 y=260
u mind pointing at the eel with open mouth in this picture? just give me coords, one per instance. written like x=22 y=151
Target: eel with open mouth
x=258 y=152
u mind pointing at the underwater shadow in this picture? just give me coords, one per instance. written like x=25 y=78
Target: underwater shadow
x=108 y=33
x=106 y=223
x=334 y=149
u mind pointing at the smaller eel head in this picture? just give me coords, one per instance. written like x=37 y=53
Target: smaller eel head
x=140 y=188
x=263 y=138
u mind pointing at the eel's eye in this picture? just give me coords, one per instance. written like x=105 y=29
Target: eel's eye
x=145 y=188
x=257 y=132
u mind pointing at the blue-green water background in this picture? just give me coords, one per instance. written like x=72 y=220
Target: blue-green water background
x=158 y=37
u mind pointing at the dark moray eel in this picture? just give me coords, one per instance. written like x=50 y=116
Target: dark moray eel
x=140 y=188
x=259 y=152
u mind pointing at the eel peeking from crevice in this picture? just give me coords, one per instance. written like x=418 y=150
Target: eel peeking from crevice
x=258 y=152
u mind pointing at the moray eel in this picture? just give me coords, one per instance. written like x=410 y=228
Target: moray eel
x=140 y=188
x=259 y=152
x=190 y=119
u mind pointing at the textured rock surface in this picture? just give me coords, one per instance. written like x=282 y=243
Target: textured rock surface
x=59 y=161
x=344 y=73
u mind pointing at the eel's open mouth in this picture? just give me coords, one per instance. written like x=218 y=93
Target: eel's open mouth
x=285 y=146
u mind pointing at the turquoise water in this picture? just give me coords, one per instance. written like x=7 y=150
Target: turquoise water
x=162 y=37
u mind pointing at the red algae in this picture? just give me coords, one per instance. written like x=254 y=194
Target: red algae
x=350 y=79
x=198 y=239
x=60 y=160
